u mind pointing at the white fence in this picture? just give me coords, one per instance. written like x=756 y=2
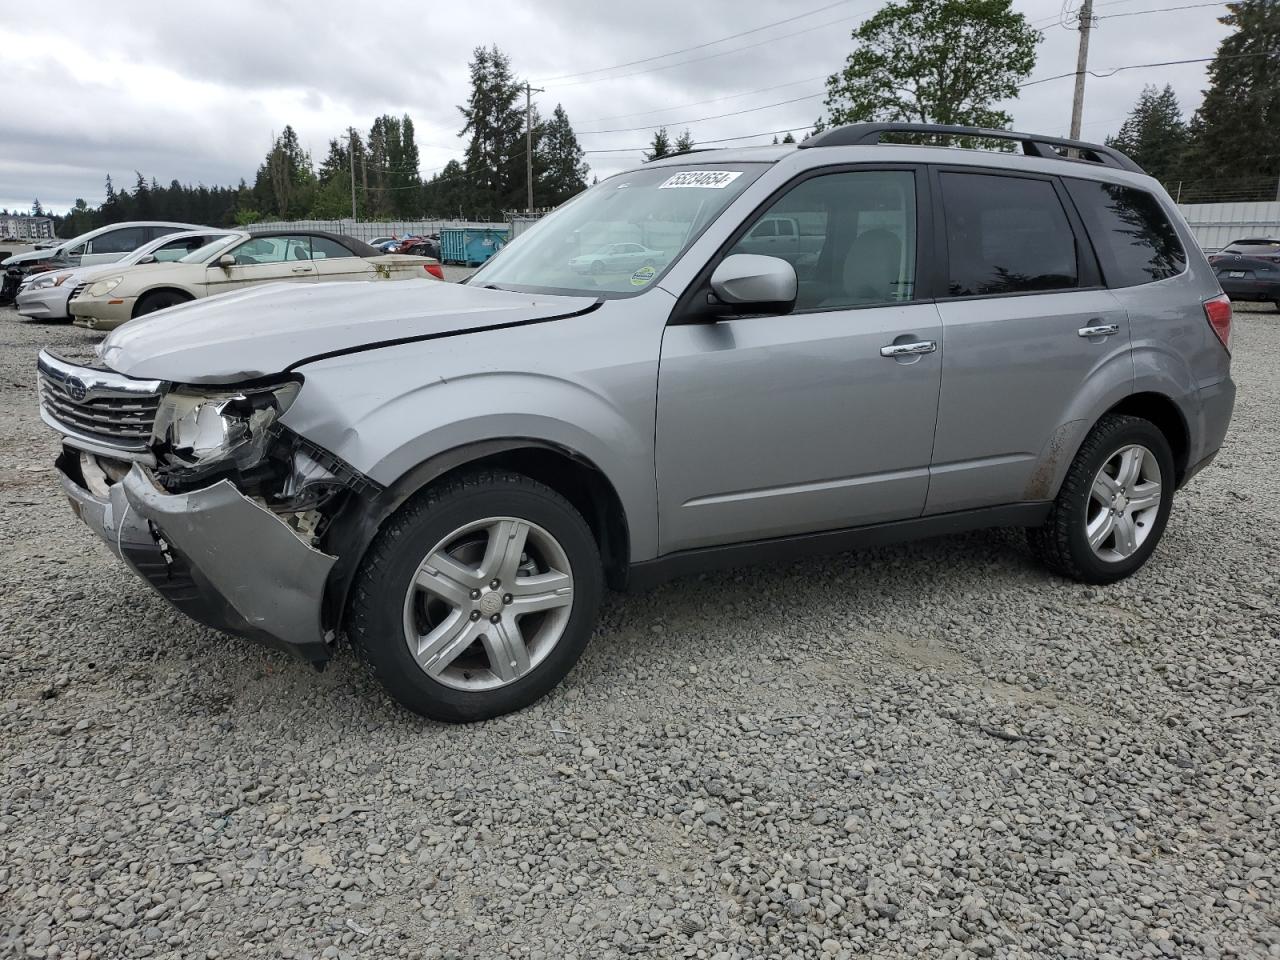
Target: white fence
x=367 y=230
x=1217 y=224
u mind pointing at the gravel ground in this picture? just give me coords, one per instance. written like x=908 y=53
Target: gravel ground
x=936 y=750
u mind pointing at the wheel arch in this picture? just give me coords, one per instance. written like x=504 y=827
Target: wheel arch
x=572 y=475
x=152 y=291
x=1161 y=410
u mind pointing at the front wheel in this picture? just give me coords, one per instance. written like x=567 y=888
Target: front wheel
x=1113 y=505
x=159 y=300
x=477 y=597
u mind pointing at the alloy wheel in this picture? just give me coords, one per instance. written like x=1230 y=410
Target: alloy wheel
x=488 y=603
x=1124 y=501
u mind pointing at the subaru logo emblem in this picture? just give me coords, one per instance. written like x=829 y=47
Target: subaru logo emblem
x=74 y=388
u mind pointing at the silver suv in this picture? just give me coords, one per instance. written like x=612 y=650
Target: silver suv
x=449 y=474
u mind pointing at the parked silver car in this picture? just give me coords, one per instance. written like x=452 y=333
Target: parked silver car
x=45 y=296
x=450 y=476
x=103 y=245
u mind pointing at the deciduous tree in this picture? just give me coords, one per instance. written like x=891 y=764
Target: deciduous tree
x=934 y=61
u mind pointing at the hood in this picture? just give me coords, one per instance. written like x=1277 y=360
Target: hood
x=31 y=256
x=266 y=330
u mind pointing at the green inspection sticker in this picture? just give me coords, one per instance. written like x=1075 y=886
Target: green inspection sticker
x=642 y=276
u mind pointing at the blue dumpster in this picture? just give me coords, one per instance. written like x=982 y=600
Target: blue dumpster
x=470 y=247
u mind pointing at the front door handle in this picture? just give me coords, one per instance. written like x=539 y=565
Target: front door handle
x=907 y=349
x=303 y=269
x=1101 y=330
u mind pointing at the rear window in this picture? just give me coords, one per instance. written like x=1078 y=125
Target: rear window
x=1006 y=235
x=1133 y=236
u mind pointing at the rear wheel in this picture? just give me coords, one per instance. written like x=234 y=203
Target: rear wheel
x=477 y=597
x=159 y=300
x=1113 y=505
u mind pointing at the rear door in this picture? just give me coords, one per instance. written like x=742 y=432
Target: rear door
x=1027 y=325
x=264 y=260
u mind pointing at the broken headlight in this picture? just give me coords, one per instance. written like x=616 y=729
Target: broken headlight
x=232 y=428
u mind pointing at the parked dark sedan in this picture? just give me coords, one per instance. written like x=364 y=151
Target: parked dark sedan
x=1249 y=270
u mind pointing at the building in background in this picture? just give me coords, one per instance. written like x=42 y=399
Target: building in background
x=25 y=228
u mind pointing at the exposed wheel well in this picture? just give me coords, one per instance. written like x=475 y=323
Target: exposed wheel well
x=1164 y=413
x=158 y=290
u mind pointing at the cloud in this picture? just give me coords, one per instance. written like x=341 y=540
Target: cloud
x=195 y=92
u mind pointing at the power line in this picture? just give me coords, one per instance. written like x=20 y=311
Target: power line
x=718 y=116
x=700 y=46
x=1139 y=13
x=710 y=56
x=699 y=103
x=745 y=136
x=1142 y=66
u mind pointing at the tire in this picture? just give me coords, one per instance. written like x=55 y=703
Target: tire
x=151 y=302
x=1062 y=543
x=390 y=604
x=597 y=268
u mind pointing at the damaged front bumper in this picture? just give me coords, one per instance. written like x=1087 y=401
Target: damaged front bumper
x=216 y=555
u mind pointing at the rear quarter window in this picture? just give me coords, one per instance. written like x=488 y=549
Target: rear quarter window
x=1131 y=232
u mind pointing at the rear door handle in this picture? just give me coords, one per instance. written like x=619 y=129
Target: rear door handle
x=907 y=349
x=1101 y=330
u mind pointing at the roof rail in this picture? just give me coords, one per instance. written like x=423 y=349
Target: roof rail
x=1033 y=145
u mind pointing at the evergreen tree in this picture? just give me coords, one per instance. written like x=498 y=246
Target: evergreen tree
x=36 y=209
x=1235 y=135
x=1154 y=134
x=684 y=142
x=406 y=197
x=788 y=138
x=562 y=157
x=495 y=161
x=660 y=147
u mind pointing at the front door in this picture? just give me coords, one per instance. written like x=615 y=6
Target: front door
x=1027 y=325
x=263 y=260
x=776 y=425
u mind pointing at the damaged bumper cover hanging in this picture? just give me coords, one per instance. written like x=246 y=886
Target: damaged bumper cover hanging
x=216 y=555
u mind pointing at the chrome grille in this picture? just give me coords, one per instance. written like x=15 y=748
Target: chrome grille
x=97 y=410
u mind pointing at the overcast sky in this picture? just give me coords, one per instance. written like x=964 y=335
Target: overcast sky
x=194 y=92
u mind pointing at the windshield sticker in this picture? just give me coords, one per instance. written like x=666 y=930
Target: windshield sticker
x=707 y=179
x=642 y=276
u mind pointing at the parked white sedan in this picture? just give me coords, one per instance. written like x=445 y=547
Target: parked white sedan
x=242 y=260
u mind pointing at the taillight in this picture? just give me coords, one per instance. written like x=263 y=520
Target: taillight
x=1218 y=312
x=434 y=269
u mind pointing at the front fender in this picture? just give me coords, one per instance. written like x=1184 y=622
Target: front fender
x=389 y=411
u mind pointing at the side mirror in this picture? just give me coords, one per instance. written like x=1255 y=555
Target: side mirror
x=750 y=283
x=149 y=258
x=226 y=261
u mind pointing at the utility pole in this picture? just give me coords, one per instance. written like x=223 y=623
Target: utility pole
x=352 y=150
x=1082 y=65
x=528 y=140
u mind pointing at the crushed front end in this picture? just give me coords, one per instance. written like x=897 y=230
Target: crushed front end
x=205 y=495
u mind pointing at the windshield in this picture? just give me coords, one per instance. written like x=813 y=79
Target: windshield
x=209 y=250
x=620 y=236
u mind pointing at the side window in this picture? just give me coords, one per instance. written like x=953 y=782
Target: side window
x=1134 y=238
x=260 y=250
x=177 y=249
x=124 y=240
x=850 y=236
x=1006 y=235
x=322 y=248
x=154 y=233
